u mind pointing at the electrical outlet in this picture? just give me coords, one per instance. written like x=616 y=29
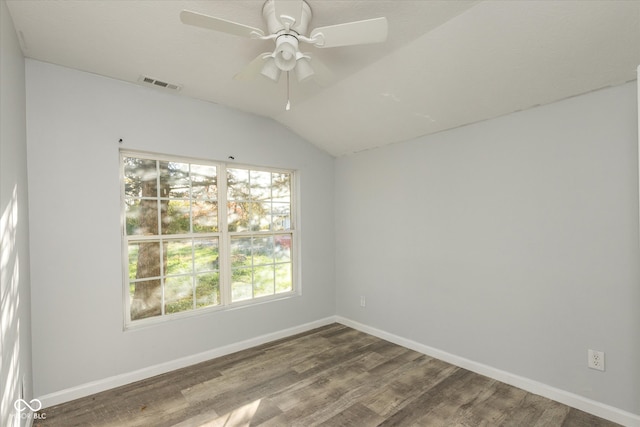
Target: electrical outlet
x=595 y=360
x=363 y=301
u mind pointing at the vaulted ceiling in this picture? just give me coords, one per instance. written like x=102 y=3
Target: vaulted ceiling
x=445 y=63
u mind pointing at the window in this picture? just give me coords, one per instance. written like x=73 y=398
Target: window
x=193 y=241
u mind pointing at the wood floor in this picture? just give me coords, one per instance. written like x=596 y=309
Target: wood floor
x=331 y=376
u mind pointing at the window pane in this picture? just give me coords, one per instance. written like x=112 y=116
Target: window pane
x=178 y=294
x=175 y=216
x=283 y=278
x=205 y=217
x=260 y=185
x=263 y=250
x=240 y=251
x=141 y=217
x=132 y=217
x=144 y=260
x=174 y=180
x=282 y=249
x=238 y=216
x=241 y=288
x=133 y=260
x=146 y=299
x=206 y=254
x=207 y=289
x=238 y=184
x=263 y=282
x=281 y=190
x=204 y=183
x=179 y=259
x=281 y=216
x=260 y=216
x=140 y=177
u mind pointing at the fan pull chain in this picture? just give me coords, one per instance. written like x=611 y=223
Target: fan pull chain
x=288 y=106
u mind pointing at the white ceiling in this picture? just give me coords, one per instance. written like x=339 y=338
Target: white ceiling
x=445 y=63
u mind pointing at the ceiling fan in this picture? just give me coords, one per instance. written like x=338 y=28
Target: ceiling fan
x=287 y=25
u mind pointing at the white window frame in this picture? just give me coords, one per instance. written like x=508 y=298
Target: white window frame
x=224 y=240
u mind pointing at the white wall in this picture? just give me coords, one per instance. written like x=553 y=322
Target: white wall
x=74 y=122
x=15 y=322
x=511 y=242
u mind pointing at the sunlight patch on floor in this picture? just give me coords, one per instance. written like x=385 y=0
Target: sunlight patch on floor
x=239 y=417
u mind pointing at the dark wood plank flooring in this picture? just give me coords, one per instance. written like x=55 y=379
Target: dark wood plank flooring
x=330 y=376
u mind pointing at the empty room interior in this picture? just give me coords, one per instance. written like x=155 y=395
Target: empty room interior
x=319 y=213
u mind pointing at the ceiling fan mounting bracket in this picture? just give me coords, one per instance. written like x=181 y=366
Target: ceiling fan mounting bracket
x=286 y=23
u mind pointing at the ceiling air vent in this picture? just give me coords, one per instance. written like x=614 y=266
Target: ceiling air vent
x=159 y=83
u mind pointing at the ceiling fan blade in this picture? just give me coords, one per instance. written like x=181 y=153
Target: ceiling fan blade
x=291 y=10
x=253 y=68
x=351 y=33
x=218 y=24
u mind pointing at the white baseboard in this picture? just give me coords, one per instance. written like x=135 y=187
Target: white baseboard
x=575 y=401
x=87 y=389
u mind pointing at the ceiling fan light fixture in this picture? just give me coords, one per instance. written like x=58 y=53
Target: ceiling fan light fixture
x=286 y=52
x=304 y=70
x=271 y=70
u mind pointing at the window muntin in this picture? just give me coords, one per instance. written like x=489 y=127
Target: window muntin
x=183 y=254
